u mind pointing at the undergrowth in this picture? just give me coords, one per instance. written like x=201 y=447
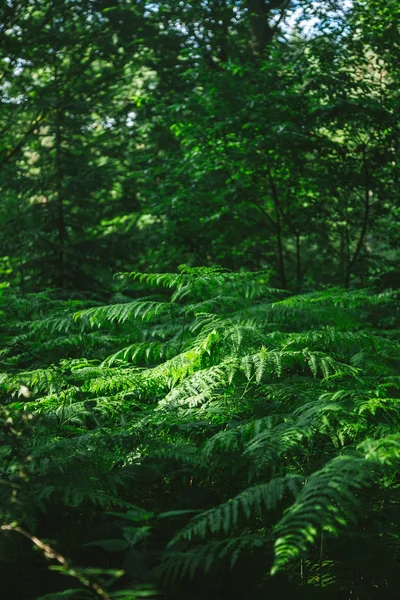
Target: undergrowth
x=202 y=431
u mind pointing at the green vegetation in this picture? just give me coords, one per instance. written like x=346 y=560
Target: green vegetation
x=227 y=427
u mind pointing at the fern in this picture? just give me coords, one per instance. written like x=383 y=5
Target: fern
x=326 y=502
x=275 y=417
x=252 y=502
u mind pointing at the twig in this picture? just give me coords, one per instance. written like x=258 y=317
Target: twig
x=52 y=554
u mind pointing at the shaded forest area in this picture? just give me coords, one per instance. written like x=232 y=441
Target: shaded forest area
x=199 y=299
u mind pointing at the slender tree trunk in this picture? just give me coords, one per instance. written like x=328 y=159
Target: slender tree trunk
x=61 y=230
x=21 y=249
x=367 y=209
x=281 y=263
x=342 y=252
x=298 y=263
x=279 y=214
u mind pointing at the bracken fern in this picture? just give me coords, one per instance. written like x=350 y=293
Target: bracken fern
x=275 y=417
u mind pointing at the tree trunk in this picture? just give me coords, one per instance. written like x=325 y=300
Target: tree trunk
x=298 y=263
x=278 y=224
x=261 y=31
x=61 y=230
x=364 y=227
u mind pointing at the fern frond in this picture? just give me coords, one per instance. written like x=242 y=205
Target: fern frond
x=251 y=503
x=201 y=383
x=147 y=351
x=384 y=451
x=177 y=565
x=340 y=297
x=326 y=502
x=122 y=312
x=223 y=441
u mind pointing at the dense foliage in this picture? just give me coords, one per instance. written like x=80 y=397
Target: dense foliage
x=214 y=424
x=244 y=133
x=228 y=428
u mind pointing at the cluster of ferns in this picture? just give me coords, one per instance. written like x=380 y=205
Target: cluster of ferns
x=200 y=427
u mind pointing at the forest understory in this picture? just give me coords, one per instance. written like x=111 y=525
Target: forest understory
x=199 y=300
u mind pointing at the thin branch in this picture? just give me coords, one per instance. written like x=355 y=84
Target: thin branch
x=52 y=554
x=8 y=155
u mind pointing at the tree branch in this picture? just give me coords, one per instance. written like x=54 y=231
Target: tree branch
x=52 y=554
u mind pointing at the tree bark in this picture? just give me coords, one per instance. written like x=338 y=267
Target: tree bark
x=61 y=229
x=278 y=213
x=364 y=226
x=298 y=263
x=261 y=31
